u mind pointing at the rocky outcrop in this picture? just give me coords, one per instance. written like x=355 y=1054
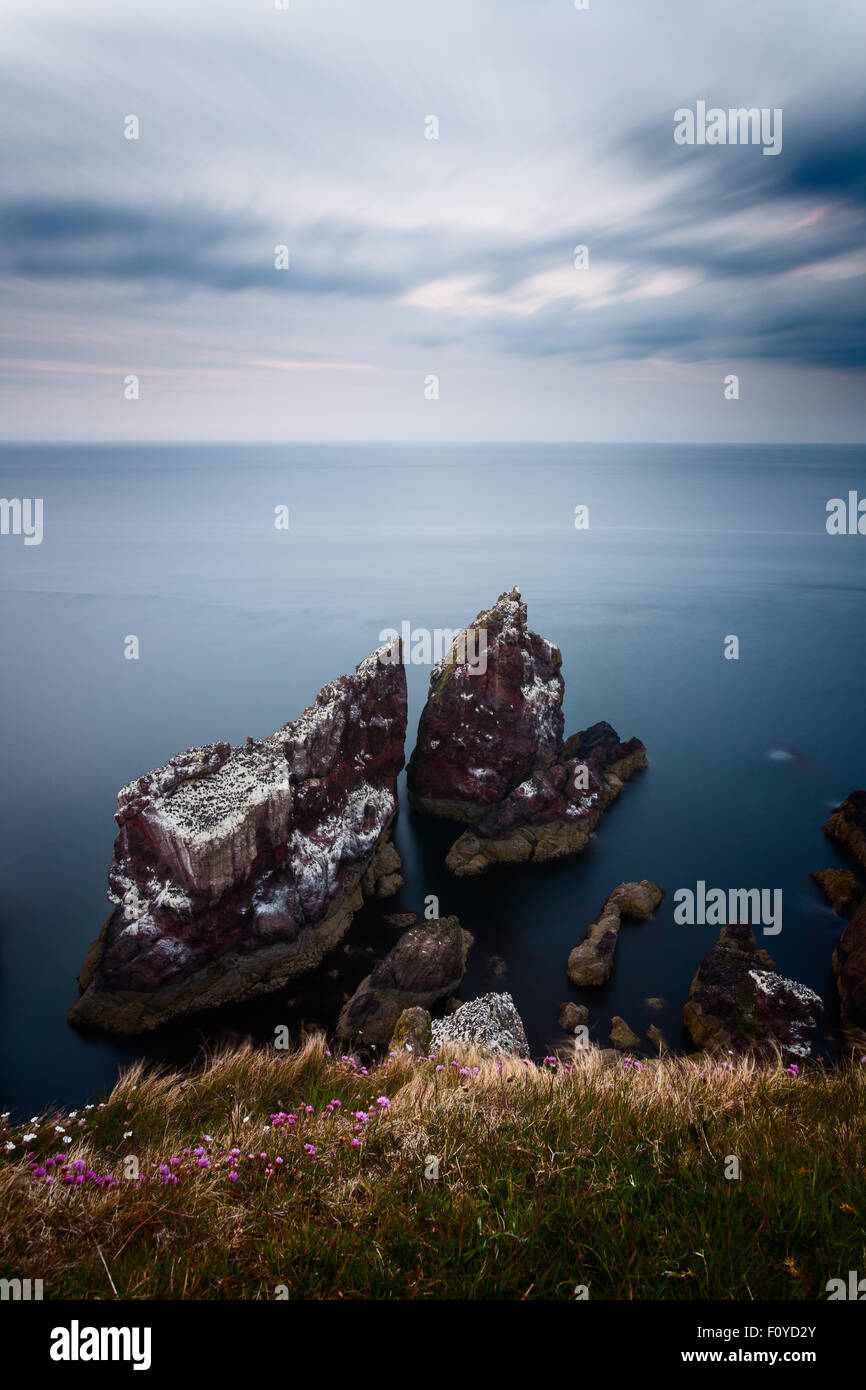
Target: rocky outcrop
x=591 y=961
x=556 y=810
x=737 y=1002
x=849 y=964
x=427 y=963
x=622 y=1036
x=236 y=869
x=491 y=752
x=413 y=1032
x=490 y=1023
x=847 y=826
x=842 y=889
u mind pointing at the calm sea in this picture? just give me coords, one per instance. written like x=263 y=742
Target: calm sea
x=239 y=625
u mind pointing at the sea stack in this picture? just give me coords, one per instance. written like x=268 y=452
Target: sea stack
x=491 y=752
x=236 y=869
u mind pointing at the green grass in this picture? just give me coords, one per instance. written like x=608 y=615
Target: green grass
x=549 y=1178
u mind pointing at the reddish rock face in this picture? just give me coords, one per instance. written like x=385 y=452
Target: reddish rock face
x=490 y=749
x=229 y=861
x=488 y=723
x=737 y=1002
x=849 y=963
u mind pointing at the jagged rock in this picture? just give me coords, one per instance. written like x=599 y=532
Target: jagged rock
x=849 y=964
x=842 y=889
x=412 y=1032
x=847 y=826
x=236 y=869
x=622 y=1036
x=573 y=1016
x=490 y=1023
x=490 y=720
x=737 y=1002
x=591 y=961
x=427 y=963
x=490 y=749
x=657 y=1039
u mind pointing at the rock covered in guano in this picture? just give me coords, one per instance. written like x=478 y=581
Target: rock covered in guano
x=490 y=1023
x=236 y=869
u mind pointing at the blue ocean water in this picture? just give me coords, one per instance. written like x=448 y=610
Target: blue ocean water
x=240 y=624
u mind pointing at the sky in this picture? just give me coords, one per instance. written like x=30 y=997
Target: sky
x=413 y=258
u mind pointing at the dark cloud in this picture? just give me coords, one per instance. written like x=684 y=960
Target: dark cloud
x=189 y=248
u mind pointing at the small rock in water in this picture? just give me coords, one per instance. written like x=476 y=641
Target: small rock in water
x=591 y=961
x=573 y=1016
x=622 y=1036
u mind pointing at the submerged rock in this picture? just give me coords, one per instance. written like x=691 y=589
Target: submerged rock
x=490 y=1023
x=737 y=1002
x=491 y=751
x=849 y=964
x=236 y=869
x=427 y=963
x=847 y=826
x=591 y=961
